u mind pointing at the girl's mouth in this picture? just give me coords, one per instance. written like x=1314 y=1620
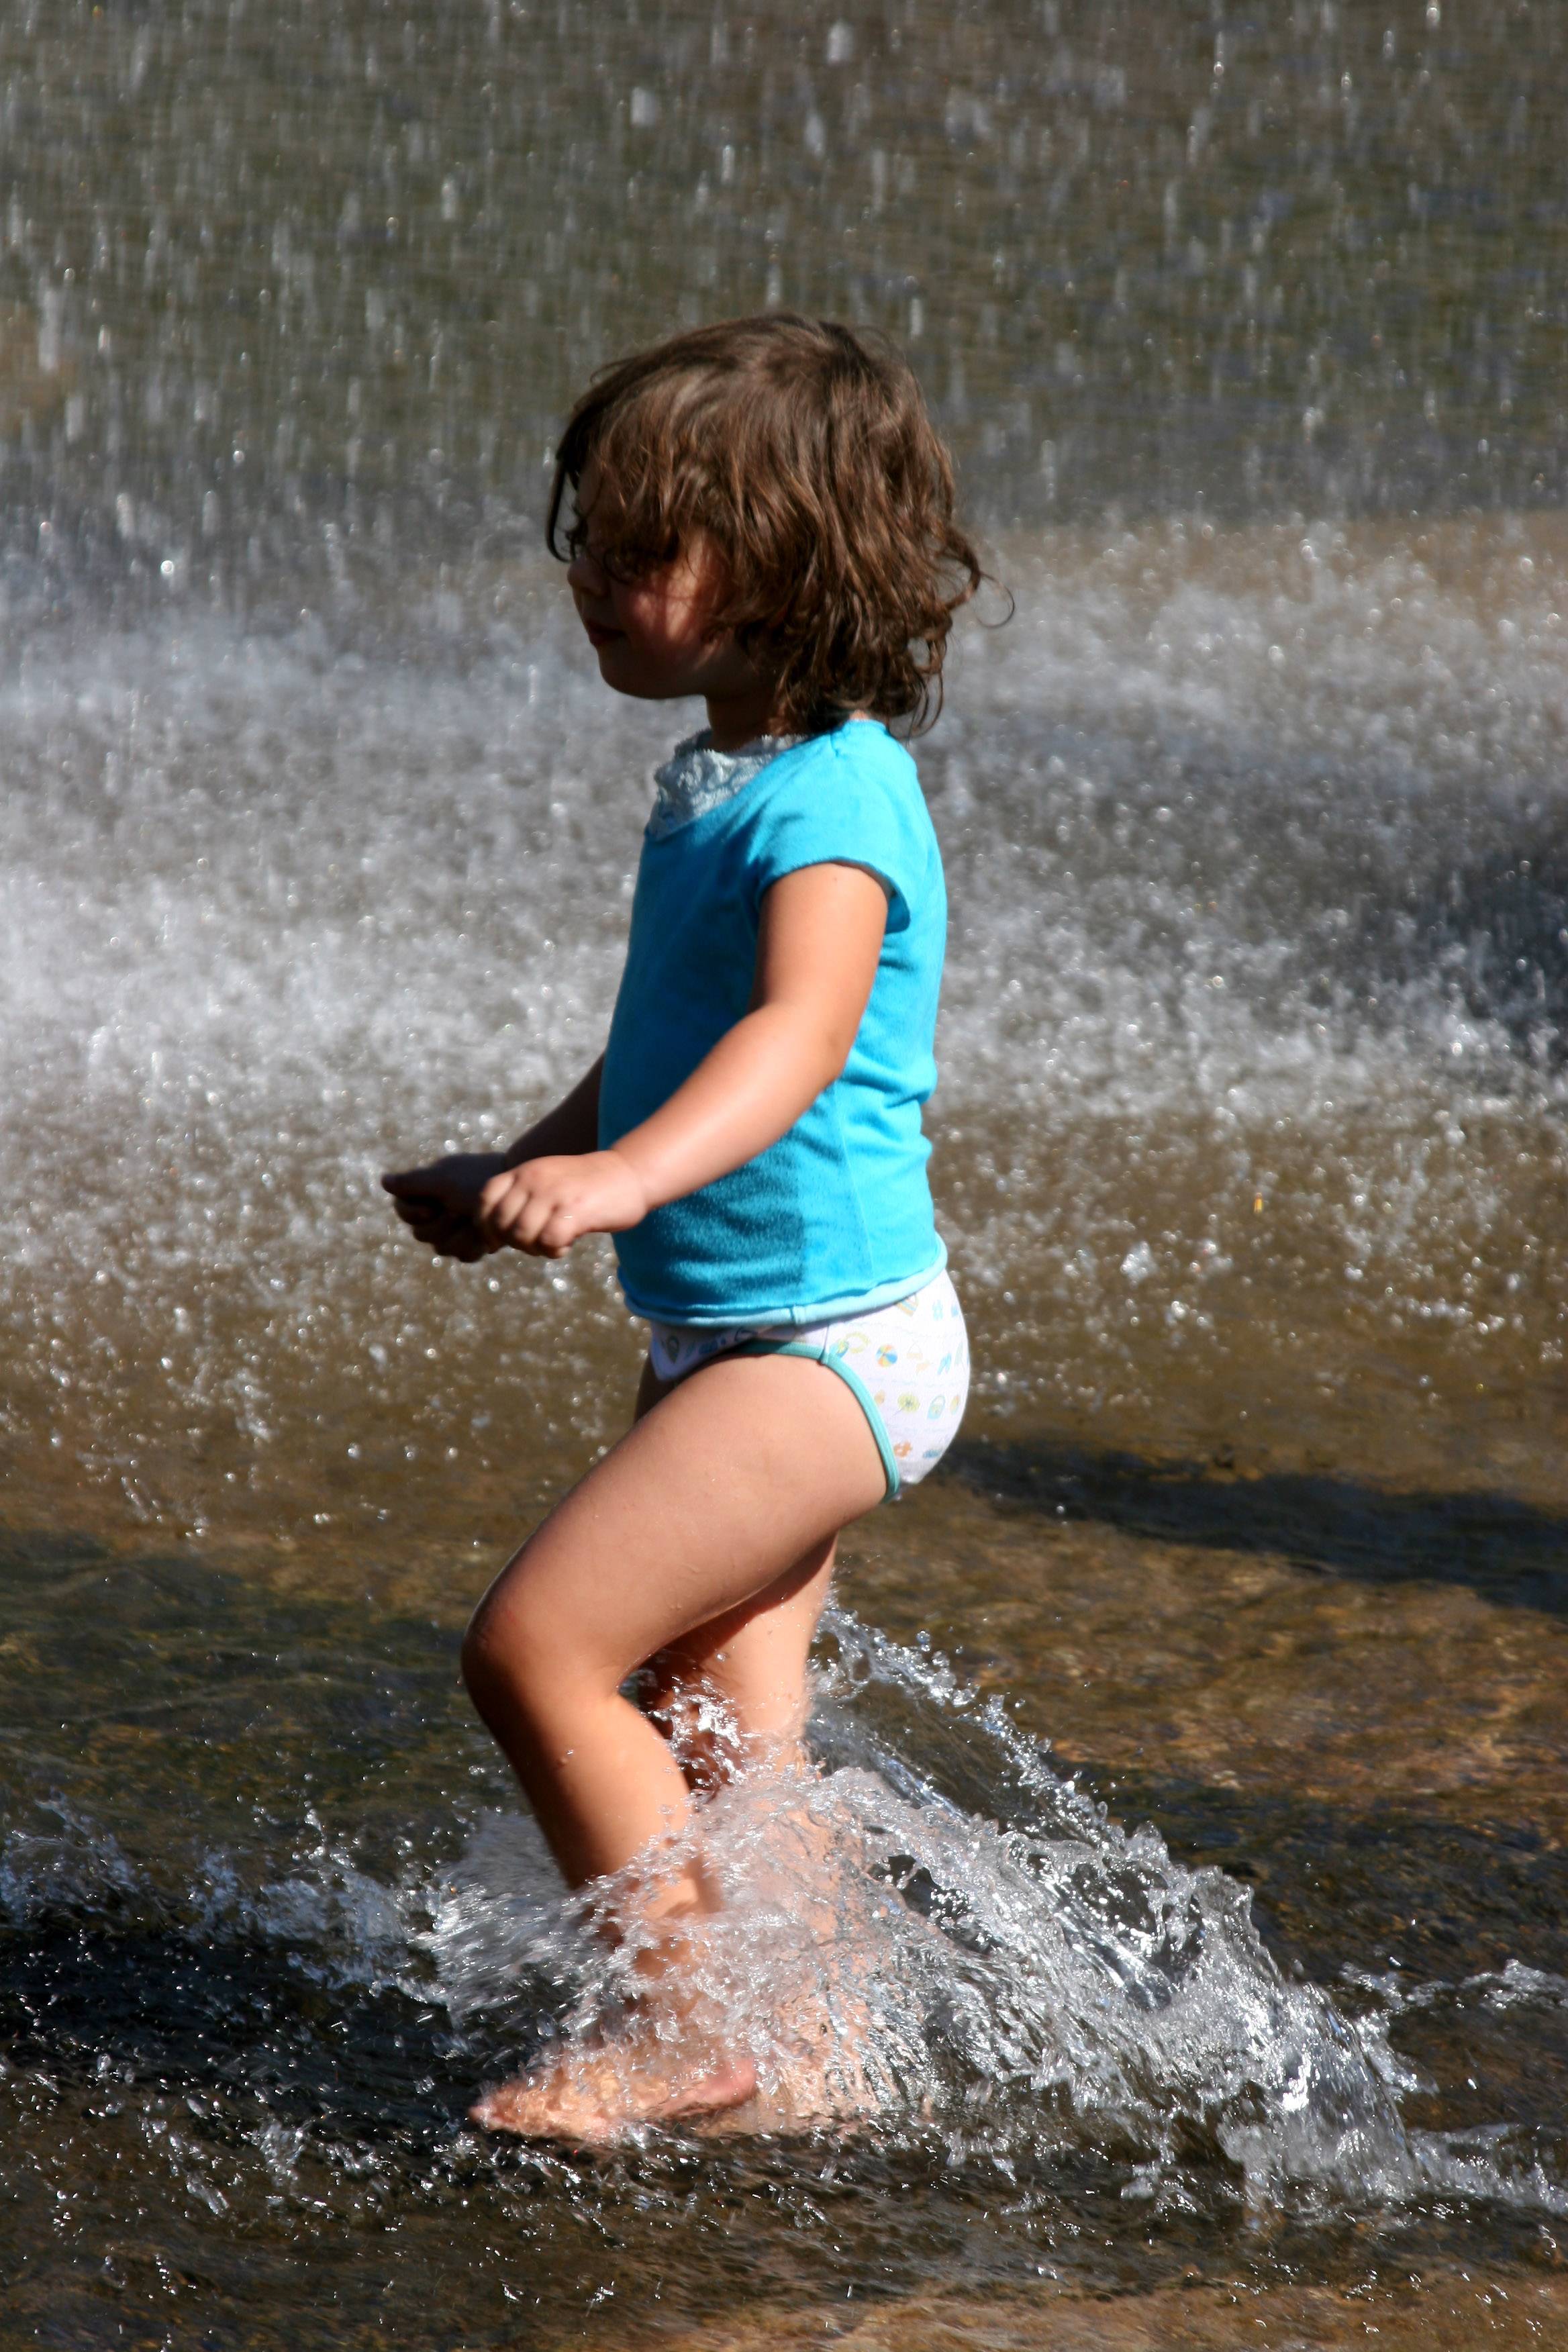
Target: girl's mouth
x=598 y=634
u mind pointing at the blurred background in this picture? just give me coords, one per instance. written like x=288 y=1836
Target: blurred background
x=308 y=288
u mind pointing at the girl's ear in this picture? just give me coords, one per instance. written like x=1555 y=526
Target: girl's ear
x=715 y=580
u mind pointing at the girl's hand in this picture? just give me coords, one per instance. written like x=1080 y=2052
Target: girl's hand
x=545 y=1205
x=438 y=1203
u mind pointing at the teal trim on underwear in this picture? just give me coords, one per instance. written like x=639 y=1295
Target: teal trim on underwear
x=851 y=1380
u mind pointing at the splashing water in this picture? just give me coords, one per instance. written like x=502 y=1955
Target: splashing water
x=1287 y=932
x=934 y=1932
x=1205 y=1141
x=257 y=2009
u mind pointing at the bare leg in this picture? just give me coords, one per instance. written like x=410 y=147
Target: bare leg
x=753 y=1663
x=753 y=1658
x=722 y=1492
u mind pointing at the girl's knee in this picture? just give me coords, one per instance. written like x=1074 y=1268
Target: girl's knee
x=477 y=1660
x=519 y=1649
x=502 y=1646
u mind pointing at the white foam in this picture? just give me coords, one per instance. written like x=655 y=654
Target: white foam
x=274 y=914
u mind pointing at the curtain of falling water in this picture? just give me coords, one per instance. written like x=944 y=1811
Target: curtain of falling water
x=292 y=293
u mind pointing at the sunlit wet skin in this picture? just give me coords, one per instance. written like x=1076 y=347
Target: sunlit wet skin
x=708 y=1481
x=594 y=2095
x=673 y=2060
x=85 y=1960
x=585 y=2103
x=731 y=1700
x=283 y=915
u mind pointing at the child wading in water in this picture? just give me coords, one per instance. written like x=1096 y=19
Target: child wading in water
x=759 y=513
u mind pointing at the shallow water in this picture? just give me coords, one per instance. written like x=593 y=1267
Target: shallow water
x=1207 y=1904
x=265 y=1932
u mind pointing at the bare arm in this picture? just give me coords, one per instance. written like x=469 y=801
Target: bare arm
x=572 y=1126
x=437 y=1202
x=818 y=943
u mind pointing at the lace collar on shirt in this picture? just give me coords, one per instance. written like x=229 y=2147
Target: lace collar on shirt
x=696 y=778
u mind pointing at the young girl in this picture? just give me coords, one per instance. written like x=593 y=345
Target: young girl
x=761 y=514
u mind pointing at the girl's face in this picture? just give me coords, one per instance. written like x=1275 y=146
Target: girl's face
x=654 y=634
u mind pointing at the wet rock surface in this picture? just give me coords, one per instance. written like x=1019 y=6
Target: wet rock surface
x=1446 y=2313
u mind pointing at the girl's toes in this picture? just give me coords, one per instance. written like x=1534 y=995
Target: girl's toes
x=729 y=2085
x=589 y=2111
x=534 y=2109
x=503 y=2110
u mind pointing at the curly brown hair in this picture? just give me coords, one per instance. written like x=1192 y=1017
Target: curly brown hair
x=805 y=454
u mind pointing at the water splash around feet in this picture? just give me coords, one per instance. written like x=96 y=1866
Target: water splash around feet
x=929 y=1931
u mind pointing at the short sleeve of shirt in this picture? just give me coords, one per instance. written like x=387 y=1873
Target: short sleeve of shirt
x=851 y=798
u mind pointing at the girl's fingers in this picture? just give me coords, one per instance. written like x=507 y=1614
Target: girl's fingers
x=509 y=1214
x=410 y=1185
x=502 y=1216
x=449 y=1233
x=527 y=1223
x=433 y=1217
x=533 y=1213
x=496 y=1207
x=421 y=1211
x=513 y=1215
x=557 y=1234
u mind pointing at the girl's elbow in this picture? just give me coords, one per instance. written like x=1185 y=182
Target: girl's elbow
x=826 y=1040
x=837 y=1048
x=477 y=1659
x=817 y=1071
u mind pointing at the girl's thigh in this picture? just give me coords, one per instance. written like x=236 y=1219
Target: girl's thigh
x=719 y=1491
x=756 y=1657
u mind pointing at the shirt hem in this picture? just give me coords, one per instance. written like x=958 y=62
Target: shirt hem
x=816 y=1310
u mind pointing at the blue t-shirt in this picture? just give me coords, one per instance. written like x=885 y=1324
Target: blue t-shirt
x=838 y=1212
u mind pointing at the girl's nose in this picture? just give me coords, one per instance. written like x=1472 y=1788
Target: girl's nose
x=587 y=573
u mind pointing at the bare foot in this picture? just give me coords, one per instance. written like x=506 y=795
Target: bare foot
x=589 y=2101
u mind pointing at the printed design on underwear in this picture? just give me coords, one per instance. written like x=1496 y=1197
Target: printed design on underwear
x=915 y=1374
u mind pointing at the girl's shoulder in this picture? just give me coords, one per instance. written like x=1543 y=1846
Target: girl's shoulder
x=860 y=750
x=851 y=797
x=858 y=776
